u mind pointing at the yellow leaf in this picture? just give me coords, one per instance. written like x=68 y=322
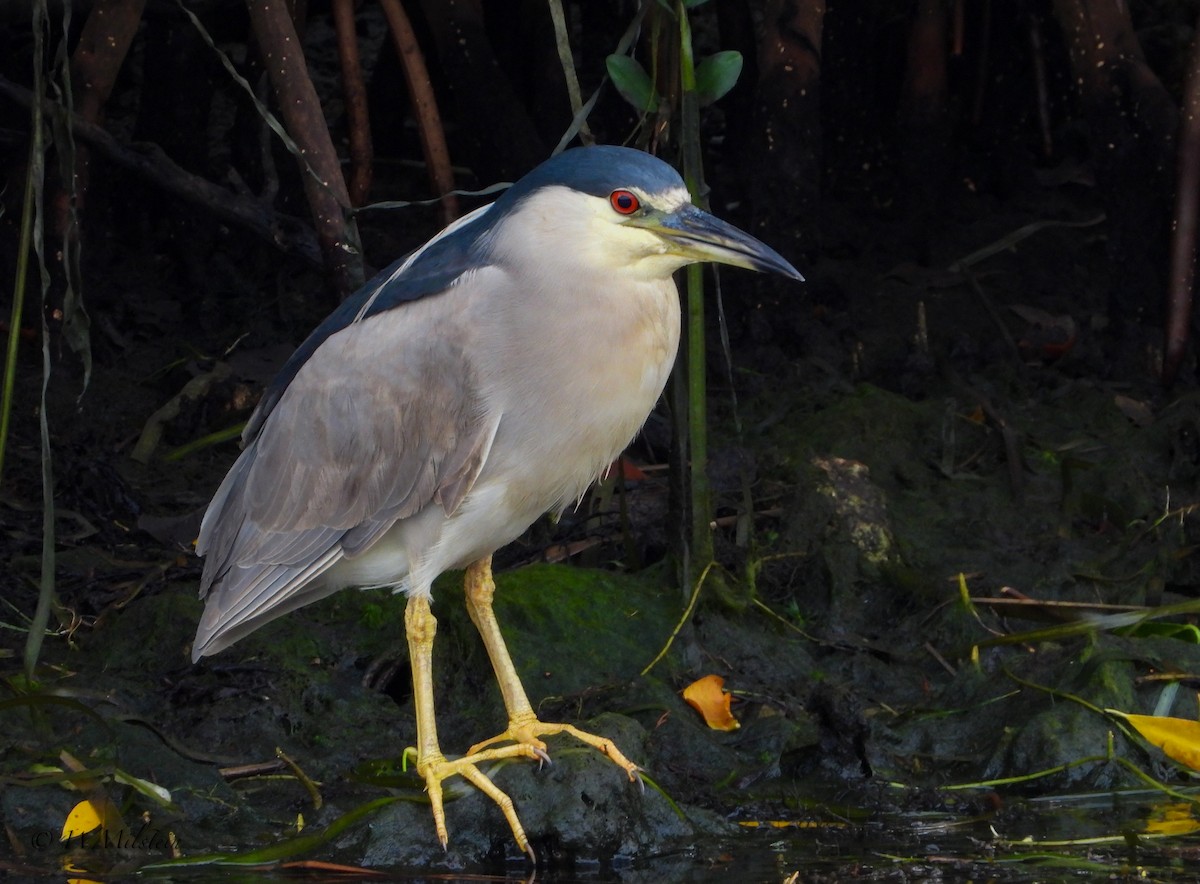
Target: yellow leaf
x=92 y=814
x=97 y=815
x=83 y=818
x=1179 y=738
x=707 y=696
x=1174 y=818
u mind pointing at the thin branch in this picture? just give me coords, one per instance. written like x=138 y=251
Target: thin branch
x=148 y=160
x=358 y=121
x=429 y=122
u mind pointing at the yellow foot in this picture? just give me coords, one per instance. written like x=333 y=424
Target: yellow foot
x=434 y=770
x=523 y=741
x=525 y=736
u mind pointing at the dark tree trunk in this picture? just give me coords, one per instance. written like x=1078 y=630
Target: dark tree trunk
x=321 y=172
x=498 y=138
x=1131 y=125
x=924 y=125
x=1185 y=225
x=785 y=156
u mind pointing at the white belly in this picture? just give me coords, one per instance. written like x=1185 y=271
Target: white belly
x=572 y=412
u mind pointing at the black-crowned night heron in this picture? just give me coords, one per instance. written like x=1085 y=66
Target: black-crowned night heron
x=487 y=379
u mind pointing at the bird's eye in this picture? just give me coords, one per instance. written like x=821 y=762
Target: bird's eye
x=624 y=202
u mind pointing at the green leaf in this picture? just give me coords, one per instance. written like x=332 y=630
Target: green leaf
x=717 y=74
x=282 y=850
x=1184 y=632
x=153 y=791
x=632 y=82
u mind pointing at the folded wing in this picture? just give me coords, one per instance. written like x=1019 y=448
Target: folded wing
x=383 y=420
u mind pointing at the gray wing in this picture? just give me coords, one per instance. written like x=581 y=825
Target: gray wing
x=384 y=419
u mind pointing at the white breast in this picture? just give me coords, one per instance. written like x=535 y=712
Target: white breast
x=572 y=372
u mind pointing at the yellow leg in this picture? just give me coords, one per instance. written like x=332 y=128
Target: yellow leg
x=420 y=627
x=524 y=728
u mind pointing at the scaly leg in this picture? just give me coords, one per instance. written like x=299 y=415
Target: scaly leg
x=420 y=627
x=524 y=728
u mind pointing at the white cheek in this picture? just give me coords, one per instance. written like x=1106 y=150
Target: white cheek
x=566 y=232
x=614 y=247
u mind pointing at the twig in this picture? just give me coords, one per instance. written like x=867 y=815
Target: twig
x=314 y=793
x=255 y=769
x=933 y=652
x=1037 y=51
x=563 y=42
x=990 y=306
x=1012 y=442
x=691 y=606
x=1010 y=240
x=148 y=160
x=193 y=389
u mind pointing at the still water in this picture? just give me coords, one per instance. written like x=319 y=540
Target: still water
x=1126 y=836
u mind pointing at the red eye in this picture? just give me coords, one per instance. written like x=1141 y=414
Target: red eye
x=624 y=202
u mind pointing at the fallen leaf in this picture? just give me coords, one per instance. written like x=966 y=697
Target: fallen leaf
x=707 y=696
x=1173 y=818
x=332 y=869
x=792 y=824
x=627 y=470
x=84 y=817
x=1134 y=409
x=1048 y=336
x=1179 y=738
x=1035 y=316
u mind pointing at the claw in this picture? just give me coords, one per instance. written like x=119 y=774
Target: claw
x=433 y=789
x=437 y=770
x=524 y=738
x=432 y=766
x=524 y=732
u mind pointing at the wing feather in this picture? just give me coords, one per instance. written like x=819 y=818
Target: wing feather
x=369 y=432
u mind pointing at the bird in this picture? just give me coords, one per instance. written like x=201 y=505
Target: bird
x=481 y=382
